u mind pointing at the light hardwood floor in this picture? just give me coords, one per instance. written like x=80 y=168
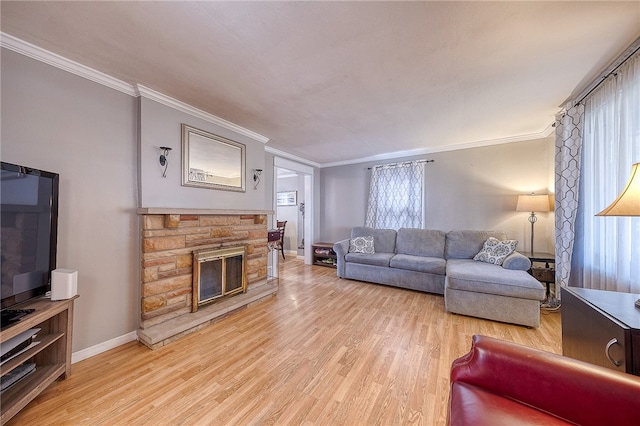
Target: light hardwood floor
x=323 y=351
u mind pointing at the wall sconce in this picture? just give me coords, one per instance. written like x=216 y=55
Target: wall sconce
x=256 y=177
x=163 y=159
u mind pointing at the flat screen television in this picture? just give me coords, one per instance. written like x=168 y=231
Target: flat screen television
x=28 y=234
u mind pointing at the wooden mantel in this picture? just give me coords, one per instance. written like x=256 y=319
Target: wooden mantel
x=173 y=210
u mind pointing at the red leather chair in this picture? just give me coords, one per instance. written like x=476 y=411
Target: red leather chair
x=503 y=383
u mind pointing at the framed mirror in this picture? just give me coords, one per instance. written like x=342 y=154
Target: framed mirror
x=211 y=161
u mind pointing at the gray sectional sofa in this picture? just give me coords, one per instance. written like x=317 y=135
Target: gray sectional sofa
x=442 y=262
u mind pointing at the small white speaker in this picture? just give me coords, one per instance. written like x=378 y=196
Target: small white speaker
x=64 y=284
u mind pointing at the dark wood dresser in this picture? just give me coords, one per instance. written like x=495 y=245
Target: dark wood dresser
x=602 y=328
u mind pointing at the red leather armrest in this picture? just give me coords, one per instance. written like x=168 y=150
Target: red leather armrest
x=570 y=389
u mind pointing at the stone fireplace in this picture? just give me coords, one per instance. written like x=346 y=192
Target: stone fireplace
x=175 y=244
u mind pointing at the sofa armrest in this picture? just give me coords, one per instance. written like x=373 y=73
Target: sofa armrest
x=341 y=248
x=517 y=261
x=572 y=390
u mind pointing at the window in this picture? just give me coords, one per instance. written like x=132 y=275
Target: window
x=609 y=250
x=396 y=196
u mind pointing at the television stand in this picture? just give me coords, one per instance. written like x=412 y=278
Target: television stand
x=52 y=355
x=11 y=316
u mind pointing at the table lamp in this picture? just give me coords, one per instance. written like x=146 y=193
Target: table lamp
x=533 y=203
x=628 y=202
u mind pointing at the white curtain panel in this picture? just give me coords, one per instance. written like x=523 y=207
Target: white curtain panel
x=567 y=183
x=611 y=245
x=396 y=196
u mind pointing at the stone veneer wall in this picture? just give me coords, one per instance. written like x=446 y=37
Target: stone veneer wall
x=168 y=241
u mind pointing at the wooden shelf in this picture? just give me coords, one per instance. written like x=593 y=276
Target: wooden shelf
x=24 y=391
x=323 y=255
x=45 y=341
x=52 y=355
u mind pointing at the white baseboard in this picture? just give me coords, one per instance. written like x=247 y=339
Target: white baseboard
x=103 y=347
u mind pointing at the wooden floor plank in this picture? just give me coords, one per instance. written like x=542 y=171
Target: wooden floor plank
x=322 y=351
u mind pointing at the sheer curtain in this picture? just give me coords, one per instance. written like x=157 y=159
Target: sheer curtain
x=396 y=196
x=609 y=250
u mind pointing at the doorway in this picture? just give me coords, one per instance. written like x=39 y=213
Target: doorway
x=290 y=207
x=293 y=186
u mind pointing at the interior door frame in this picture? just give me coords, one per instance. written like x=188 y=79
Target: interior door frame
x=308 y=173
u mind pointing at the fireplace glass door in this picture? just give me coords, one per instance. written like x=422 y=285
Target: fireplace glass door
x=233 y=274
x=217 y=273
x=210 y=280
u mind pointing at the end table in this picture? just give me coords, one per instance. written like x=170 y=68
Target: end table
x=543 y=269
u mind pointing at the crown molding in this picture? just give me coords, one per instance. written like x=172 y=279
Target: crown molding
x=181 y=106
x=283 y=154
x=34 y=52
x=425 y=151
x=414 y=152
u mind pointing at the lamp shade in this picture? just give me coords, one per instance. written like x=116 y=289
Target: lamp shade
x=533 y=203
x=628 y=202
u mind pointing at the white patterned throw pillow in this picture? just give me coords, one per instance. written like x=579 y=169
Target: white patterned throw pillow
x=361 y=245
x=495 y=251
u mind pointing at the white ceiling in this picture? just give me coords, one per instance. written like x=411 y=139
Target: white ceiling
x=332 y=82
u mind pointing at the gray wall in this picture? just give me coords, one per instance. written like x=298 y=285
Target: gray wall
x=86 y=132
x=465 y=189
x=160 y=125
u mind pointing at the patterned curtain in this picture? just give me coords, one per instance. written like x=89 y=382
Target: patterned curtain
x=567 y=170
x=396 y=196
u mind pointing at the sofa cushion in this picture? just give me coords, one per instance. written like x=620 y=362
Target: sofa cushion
x=480 y=277
x=362 y=245
x=420 y=242
x=432 y=265
x=377 y=259
x=384 y=240
x=495 y=251
x=466 y=244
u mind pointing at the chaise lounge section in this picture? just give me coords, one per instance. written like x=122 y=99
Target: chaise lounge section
x=441 y=262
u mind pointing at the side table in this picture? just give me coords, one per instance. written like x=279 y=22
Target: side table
x=324 y=255
x=601 y=327
x=543 y=269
